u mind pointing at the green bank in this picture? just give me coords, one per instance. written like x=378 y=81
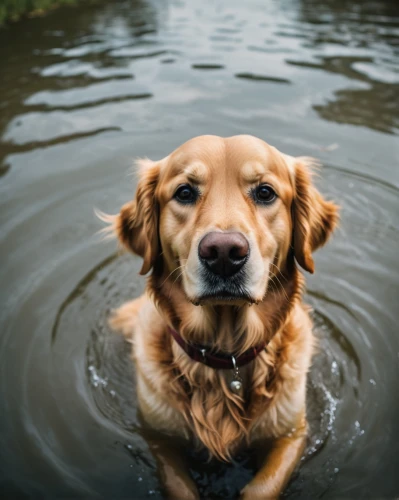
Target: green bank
x=12 y=10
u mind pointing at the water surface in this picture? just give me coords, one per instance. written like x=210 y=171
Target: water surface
x=83 y=92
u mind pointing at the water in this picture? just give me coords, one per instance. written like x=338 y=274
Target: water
x=84 y=91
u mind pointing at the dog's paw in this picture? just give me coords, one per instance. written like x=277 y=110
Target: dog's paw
x=258 y=492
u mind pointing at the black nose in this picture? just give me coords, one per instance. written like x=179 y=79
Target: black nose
x=223 y=253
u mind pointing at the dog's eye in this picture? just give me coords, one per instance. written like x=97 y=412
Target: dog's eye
x=264 y=194
x=186 y=194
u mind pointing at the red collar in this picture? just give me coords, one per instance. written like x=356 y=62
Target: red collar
x=214 y=360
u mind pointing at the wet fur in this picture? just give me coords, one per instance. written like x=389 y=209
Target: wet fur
x=190 y=400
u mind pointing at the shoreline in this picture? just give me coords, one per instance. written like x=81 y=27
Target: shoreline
x=12 y=11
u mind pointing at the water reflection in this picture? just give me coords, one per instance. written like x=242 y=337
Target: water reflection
x=100 y=61
x=373 y=106
x=84 y=91
x=72 y=65
x=355 y=29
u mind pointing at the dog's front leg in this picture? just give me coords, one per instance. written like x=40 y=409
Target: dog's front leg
x=277 y=466
x=173 y=471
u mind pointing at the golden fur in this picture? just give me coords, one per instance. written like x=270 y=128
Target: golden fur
x=187 y=399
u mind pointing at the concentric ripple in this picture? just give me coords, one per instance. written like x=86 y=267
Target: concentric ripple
x=85 y=90
x=332 y=386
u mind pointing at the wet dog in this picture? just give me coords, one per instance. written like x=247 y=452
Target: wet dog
x=221 y=339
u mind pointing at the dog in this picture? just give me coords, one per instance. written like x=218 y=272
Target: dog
x=222 y=342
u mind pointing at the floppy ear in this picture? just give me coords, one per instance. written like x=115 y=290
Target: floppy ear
x=137 y=223
x=314 y=218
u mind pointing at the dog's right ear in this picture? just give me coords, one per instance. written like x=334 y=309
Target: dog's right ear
x=137 y=223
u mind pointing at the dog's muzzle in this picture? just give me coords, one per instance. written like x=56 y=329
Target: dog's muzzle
x=223 y=253
x=223 y=256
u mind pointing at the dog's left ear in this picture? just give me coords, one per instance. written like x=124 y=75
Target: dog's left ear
x=314 y=218
x=137 y=223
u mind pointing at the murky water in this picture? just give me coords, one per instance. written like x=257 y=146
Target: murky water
x=82 y=92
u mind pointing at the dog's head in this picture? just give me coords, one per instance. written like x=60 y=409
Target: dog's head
x=223 y=216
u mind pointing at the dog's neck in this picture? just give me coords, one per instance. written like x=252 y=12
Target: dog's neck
x=203 y=394
x=228 y=328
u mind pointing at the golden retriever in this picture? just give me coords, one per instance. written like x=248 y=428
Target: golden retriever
x=222 y=342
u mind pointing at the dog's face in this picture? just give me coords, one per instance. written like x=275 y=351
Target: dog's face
x=222 y=215
x=225 y=217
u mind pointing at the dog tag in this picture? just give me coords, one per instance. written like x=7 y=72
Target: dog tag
x=235 y=386
x=236 y=383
